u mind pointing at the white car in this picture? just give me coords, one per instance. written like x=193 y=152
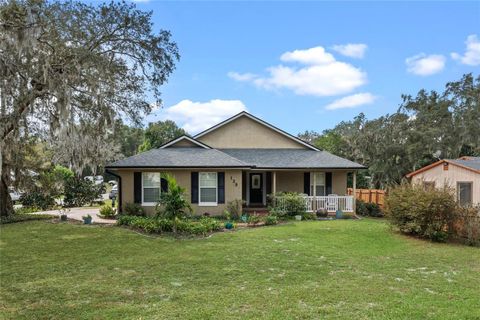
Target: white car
x=15 y=195
x=95 y=179
x=112 y=182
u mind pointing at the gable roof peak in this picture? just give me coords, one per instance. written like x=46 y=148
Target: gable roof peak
x=260 y=121
x=185 y=137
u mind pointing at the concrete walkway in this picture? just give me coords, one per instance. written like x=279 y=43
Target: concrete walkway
x=78 y=213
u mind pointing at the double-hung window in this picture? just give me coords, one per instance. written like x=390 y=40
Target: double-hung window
x=465 y=193
x=151 y=185
x=208 y=188
x=319 y=179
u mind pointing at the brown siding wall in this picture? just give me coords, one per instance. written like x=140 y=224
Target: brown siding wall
x=243 y=132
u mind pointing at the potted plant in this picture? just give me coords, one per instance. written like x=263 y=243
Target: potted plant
x=63 y=214
x=228 y=218
x=339 y=214
x=322 y=213
x=87 y=219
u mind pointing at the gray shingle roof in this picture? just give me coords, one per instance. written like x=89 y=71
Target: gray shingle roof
x=291 y=158
x=180 y=158
x=235 y=158
x=472 y=162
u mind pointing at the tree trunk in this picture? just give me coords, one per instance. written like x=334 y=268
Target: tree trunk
x=6 y=204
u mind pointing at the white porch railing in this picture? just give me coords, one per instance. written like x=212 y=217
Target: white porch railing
x=330 y=203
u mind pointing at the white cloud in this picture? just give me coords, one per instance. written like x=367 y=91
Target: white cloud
x=316 y=55
x=472 y=52
x=424 y=65
x=321 y=75
x=242 y=76
x=352 y=101
x=197 y=116
x=353 y=50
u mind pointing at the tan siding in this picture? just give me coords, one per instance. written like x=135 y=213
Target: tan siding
x=450 y=178
x=244 y=132
x=233 y=189
x=289 y=181
x=339 y=182
x=184 y=144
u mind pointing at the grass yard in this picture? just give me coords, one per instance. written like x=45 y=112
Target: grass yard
x=330 y=269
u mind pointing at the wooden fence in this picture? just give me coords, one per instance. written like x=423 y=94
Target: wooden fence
x=369 y=195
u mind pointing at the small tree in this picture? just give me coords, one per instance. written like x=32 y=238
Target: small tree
x=173 y=204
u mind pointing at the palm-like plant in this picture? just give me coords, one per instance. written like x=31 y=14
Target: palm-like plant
x=173 y=204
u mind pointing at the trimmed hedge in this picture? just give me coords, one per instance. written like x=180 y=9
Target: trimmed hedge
x=368 y=209
x=161 y=225
x=20 y=217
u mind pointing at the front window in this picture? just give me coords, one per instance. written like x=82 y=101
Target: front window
x=208 y=188
x=464 y=193
x=319 y=179
x=150 y=187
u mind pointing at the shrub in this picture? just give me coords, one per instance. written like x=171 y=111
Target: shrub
x=234 y=207
x=271 y=220
x=159 y=225
x=309 y=216
x=134 y=209
x=254 y=219
x=291 y=202
x=107 y=211
x=278 y=212
x=174 y=204
x=20 y=217
x=466 y=225
x=79 y=192
x=368 y=209
x=426 y=213
x=37 y=199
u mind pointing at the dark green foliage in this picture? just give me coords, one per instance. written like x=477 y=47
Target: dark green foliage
x=271 y=220
x=254 y=219
x=309 y=216
x=426 y=127
x=79 y=192
x=37 y=199
x=173 y=203
x=368 y=209
x=20 y=217
x=426 y=213
x=159 y=133
x=134 y=209
x=160 y=225
x=290 y=202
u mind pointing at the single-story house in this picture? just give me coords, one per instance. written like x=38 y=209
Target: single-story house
x=462 y=175
x=241 y=158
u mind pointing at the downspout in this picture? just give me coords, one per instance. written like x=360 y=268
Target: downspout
x=119 y=189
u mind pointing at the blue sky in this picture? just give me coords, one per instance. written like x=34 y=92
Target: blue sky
x=288 y=63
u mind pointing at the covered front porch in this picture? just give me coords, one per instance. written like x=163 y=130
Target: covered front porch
x=326 y=189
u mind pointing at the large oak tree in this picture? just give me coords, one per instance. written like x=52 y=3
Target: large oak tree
x=68 y=70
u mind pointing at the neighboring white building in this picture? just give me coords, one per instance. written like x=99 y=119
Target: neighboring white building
x=462 y=175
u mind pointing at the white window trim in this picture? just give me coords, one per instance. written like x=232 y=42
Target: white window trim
x=207 y=204
x=324 y=185
x=151 y=204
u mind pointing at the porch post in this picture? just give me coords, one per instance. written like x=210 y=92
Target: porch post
x=274 y=182
x=314 y=192
x=354 y=192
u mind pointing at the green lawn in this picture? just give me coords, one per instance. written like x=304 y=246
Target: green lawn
x=329 y=269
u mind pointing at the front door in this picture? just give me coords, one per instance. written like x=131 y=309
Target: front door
x=256 y=188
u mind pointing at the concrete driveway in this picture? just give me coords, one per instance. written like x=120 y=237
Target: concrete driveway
x=78 y=213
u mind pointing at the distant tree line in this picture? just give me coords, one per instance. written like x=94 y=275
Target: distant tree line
x=427 y=127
